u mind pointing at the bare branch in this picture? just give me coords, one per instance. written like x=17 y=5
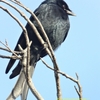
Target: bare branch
x=6 y=45
x=42 y=42
x=26 y=70
x=28 y=47
x=26 y=53
x=50 y=53
x=28 y=78
x=10 y=57
x=5 y=49
x=67 y=76
x=15 y=56
x=79 y=92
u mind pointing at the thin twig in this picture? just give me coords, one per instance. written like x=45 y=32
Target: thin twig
x=10 y=57
x=79 y=90
x=67 y=76
x=14 y=56
x=5 y=49
x=6 y=45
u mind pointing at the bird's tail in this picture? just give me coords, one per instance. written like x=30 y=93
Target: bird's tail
x=16 y=71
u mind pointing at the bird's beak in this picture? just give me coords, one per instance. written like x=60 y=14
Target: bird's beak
x=70 y=13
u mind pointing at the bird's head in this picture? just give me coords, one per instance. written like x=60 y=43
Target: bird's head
x=65 y=7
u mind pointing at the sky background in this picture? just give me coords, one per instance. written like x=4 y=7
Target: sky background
x=80 y=53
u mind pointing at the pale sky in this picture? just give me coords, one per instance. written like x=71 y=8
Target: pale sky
x=79 y=53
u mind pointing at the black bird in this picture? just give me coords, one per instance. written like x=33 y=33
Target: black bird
x=53 y=14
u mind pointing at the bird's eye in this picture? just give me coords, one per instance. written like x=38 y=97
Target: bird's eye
x=64 y=7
